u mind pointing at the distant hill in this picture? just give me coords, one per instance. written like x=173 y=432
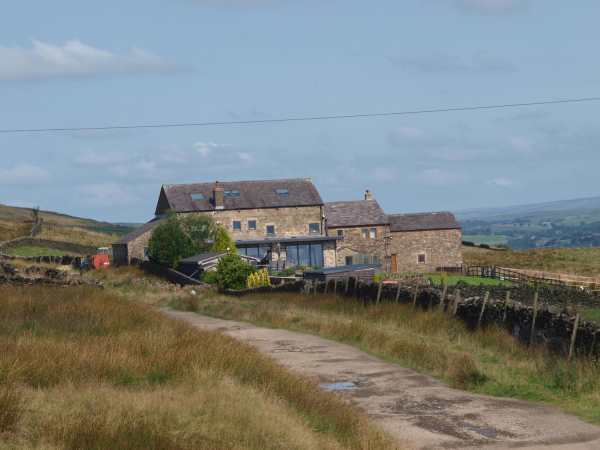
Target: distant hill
x=16 y=214
x=563 y=205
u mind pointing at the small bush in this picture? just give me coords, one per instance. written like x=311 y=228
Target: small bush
x=377 y=278
x=462 y=283
x=289 y=272
x=258 y=279
x=303 y=268
x=209 y=277
x=444 y=278
x=233 y=272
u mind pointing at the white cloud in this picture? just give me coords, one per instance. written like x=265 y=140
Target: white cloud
x=24 y=174
x=89 y=158
x=491 y=6
x=408 y=135
x=502 y=182
x=436 y=177
x=75 y=59
x=206 y=148
x=520 y=144
x=107 y=194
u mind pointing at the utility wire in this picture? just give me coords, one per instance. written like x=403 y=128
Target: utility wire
x=303 y=119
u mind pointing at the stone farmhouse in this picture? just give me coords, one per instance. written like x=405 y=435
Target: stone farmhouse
x=287 y=222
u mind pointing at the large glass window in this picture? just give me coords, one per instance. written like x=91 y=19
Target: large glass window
x=362 y=258
x=309 y=255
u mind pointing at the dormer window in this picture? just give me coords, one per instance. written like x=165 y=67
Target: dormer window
x=282 y=191
x=232 y=193
x=197 y=196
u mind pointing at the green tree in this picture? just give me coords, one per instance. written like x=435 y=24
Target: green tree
x=233 y=272
x=177 y=238
x=223 y=242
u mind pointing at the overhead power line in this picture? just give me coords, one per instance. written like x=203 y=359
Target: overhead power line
x=303 y=119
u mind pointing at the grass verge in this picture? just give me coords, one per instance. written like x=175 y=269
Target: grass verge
x=488 y=361
x=78 y=235
x=82 y=368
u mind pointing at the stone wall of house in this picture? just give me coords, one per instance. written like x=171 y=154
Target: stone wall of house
x=354 y=244
x=442 y=248
x=329 y=253
x=123 y=254
x=287 y=221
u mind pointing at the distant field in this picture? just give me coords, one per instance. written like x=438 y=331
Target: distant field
x=576 y=261
x=490 y=240
x=36 y=251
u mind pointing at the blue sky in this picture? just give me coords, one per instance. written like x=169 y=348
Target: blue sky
x=76 y=64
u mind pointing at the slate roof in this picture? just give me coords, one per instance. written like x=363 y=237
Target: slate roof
x=423 y=221
x=137 y=232
x=355 y=214
x=286 y=239
x=254 y=194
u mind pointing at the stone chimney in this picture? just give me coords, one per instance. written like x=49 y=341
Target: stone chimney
x=218 y=196
x=368 y=195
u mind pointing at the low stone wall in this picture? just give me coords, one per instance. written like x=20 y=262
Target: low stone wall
x=36 y=228
x=42 y=276
x=172 y=276
x=553 y=325
x=66 y=260
x=45 y=243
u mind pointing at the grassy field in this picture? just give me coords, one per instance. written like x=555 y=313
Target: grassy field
x=36 y=251
x=591 y=314
x=490 y=240
x=11 y=230
x=489 y=362
x=576 y=261
x=78 y=235
x=83 y=368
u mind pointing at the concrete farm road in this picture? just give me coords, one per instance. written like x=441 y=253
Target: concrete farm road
x=416 y=409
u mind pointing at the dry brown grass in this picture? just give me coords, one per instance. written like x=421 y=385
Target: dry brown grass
x=575 y=261
x=96 y=370
x=11 y=230
x=78 y=236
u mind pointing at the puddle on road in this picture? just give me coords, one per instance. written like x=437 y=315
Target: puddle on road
x=479 y=430
x=339 y=386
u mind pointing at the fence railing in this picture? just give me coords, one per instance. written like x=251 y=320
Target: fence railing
x=513 y=276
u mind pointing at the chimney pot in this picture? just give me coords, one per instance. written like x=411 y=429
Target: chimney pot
x=368 y=195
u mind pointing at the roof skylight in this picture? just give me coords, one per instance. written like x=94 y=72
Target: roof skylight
x=282 y=191
x=197 y=196
x=232 y=193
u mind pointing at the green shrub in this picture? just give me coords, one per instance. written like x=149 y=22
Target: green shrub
x=462 y=283
x=444 y=278
x=289 y=272
x=223 y=242
x=233 y=272
x=209 y=277
x=303 y=268
x=377 y=278
x=258 y=279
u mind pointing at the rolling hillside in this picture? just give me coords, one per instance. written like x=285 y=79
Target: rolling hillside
x=16 y=214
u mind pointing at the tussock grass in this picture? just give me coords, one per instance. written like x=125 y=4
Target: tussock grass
x=29 y=252
x=10 y=230
x=488 y=361
x=575 y=261
x=96 y=370
x=77 y=235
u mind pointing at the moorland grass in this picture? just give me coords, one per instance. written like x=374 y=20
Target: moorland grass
x=10 y=230
x=77 y=235
x=83 y=368
x=30 y=252
x=576 y=261
x=487 y=361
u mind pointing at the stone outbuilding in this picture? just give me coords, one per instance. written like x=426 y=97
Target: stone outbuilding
x=134 y=245
x=425 y=242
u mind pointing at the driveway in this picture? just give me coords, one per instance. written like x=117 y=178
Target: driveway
x=417 y=409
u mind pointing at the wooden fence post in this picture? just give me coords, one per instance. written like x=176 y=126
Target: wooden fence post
x=535 y=310
x=505 y=306
x=326 y=285
x=416 y=295
x=444 y=291
x=456 y=302
x=574 y=335
x=379 y=293
x=335 y=286
x=485 y=300
x=398 y=292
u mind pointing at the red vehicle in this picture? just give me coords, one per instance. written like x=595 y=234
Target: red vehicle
x=100 y=259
